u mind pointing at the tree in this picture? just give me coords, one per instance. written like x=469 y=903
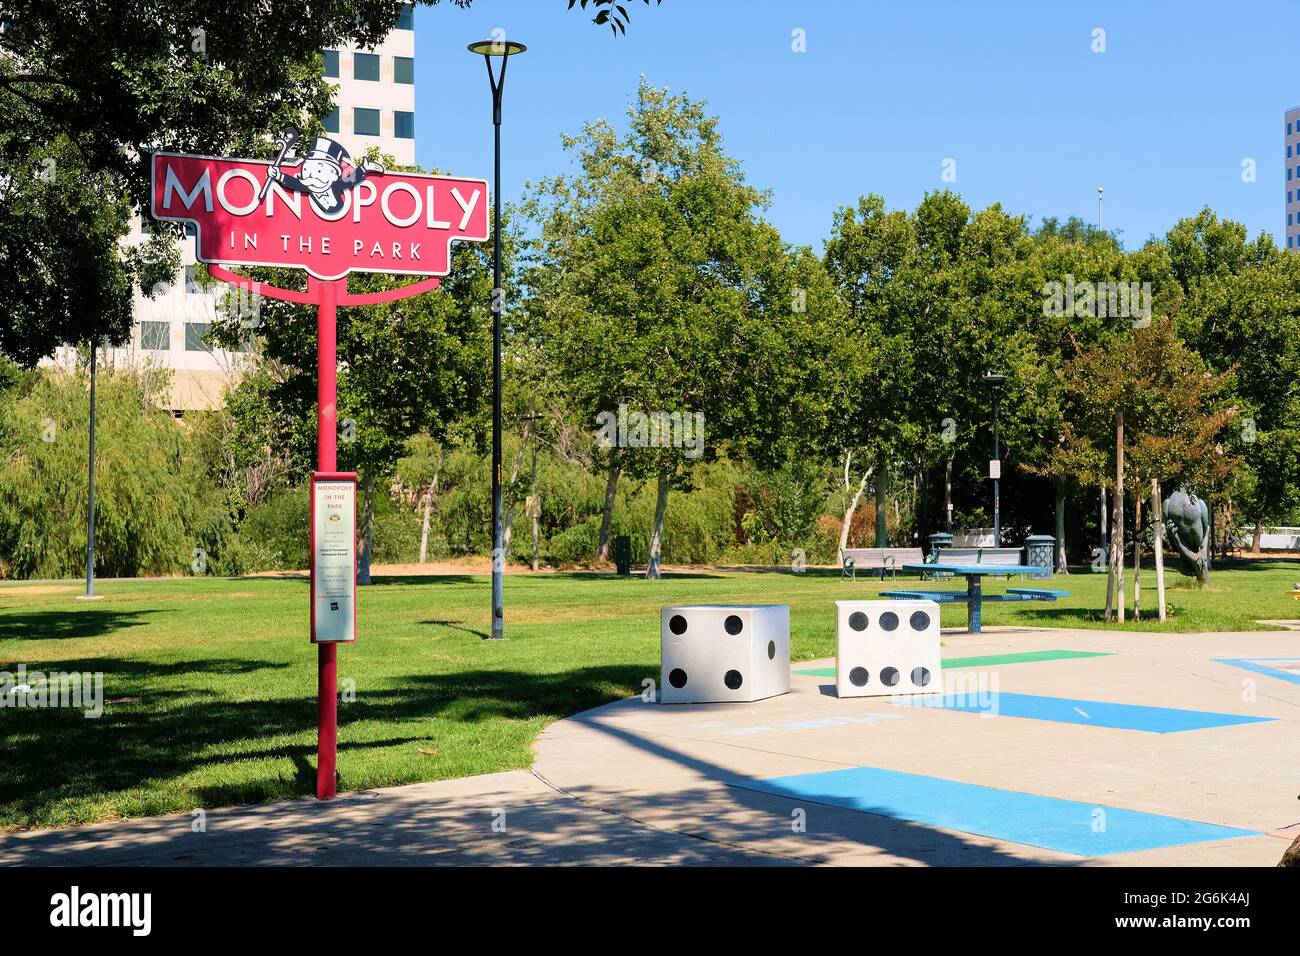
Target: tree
x=1149 y=397
x=664 y=300
x=155 y=512
x=90 y=89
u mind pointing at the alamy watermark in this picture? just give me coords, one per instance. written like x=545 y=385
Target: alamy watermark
x=37 y=689
x=657 y=429
x=1099 y=300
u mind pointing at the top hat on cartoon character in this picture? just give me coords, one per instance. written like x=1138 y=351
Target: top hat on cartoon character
x=324 y=148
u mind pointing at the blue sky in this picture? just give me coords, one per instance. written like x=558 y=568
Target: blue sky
x=885 y=92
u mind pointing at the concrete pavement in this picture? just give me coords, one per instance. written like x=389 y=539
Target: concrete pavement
x=642 y=783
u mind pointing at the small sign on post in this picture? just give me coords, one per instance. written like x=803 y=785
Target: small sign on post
x=333 y=557
x=995 y=468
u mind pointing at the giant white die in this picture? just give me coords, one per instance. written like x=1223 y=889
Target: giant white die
x=887 y=647
x=721 y=652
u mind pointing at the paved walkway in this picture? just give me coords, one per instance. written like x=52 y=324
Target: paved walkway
x=639 y=783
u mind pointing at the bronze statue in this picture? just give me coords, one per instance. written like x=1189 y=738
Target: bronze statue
x=1187 y=527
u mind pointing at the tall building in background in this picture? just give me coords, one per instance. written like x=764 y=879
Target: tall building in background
x=1292 y=122
x=375 y=103
x=374 y=106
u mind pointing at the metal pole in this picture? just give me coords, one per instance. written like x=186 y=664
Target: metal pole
x=90 y=521
x=997 y=456
x=326 y=460
x=498 y=304
x=1105 y=534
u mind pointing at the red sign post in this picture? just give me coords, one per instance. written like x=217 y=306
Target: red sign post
x=323 y=213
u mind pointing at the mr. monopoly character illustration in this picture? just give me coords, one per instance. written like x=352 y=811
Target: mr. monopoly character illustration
x=327 y=171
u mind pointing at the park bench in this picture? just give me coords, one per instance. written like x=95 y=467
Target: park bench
x=876 y=559
x=975 y=556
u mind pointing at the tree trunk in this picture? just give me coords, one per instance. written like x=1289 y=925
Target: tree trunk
x=652 y=571
x=1157 y=521
x=947 y=495
x=428 y=508
x=1115 y=579
x=367 y=531
x=1257 y=537
x=882 y=534
x=852 y=508
x=508 y=520
x=1118 y=531
x=607 y=512
x=1062 y=562
x=1137 y=549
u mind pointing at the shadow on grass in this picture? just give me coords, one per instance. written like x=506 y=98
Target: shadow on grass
x=138 y=749
x=58 y=625
x=57 y=755
x=458 y=626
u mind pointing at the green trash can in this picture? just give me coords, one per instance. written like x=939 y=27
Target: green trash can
x=623 y=555
x=1040 y=552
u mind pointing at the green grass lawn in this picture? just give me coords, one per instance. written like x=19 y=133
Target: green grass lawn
x=211 y=683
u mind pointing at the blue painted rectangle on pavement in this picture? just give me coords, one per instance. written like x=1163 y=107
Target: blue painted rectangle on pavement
x=1067 y=826
x=1266 y=665
x=1093 y=713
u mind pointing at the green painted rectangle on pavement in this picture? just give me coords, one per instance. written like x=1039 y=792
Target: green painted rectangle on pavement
x=986 y=660
x=1022 y=658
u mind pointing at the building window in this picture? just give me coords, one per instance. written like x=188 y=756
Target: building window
x=1288 y=150
x=365 y=66
x=403 y=69
x=1288 y=129
x=331 y=62
x=406 y=19
x=331 y=121
x=1288 y=174
x=1288 y=195
x=403 y=125
x=155 y=336
x=1288 y=241
x=365 y=122
x=192 y=286
x=195 y=333
x=1288 y=218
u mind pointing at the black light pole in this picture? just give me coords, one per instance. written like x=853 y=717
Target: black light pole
x=997 y=456
x=90 y=521
x=503 y=49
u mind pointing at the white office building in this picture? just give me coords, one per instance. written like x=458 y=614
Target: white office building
x=374 y=106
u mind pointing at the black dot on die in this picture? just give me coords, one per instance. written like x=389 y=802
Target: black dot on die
x=858 y=677
x=919 y=620
x=771 y=650
x=920 y=676
x=889 y=676
x=677 y=624
x=733 y=624
x=858 y=621
x=677 y=677
x=889 y=621
x=733 y=680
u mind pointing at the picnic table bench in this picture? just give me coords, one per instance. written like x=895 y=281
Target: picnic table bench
x=876 y=559
x=973 y=556
x=974 y=594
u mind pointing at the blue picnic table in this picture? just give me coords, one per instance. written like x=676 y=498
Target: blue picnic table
x=974 y=595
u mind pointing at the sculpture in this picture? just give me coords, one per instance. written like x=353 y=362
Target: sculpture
x=1187 y=527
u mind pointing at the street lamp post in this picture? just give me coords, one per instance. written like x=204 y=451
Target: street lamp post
x=502 y=49
x=90 y=482
x=1105 y=534
x=996 y=466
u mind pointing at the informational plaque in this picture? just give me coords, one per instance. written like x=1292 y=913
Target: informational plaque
x=333 y=557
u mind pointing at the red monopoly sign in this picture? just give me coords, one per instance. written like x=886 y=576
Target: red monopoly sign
x=322 y=213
